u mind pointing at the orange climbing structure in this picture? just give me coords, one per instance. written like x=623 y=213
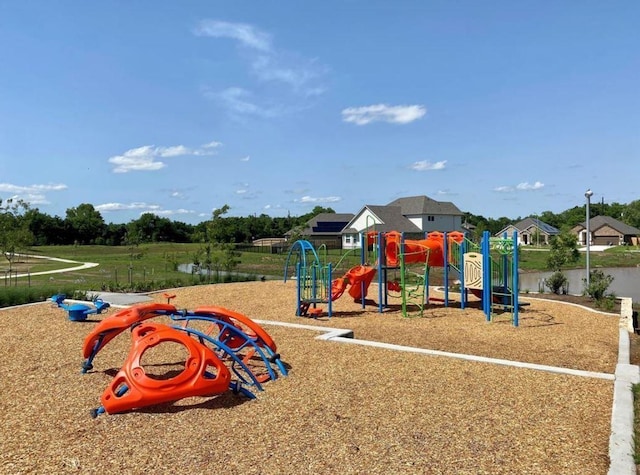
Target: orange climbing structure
x=226 y=351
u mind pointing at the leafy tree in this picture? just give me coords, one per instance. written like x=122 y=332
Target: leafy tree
x=15 y=235
x=86 y=223
x=631 y=214
x=563 y=251
x=230 y=258
x=113 y=235
x=216 y=228
x=46 y=230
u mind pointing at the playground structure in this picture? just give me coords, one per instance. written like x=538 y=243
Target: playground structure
x=226 y=351
x=78 y=312
x=316 y=283
x=488 y=271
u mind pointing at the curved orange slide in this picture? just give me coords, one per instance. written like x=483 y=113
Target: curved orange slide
x=354 y=277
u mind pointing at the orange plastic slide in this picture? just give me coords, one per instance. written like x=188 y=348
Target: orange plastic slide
x=429 y=250
x=354 y=277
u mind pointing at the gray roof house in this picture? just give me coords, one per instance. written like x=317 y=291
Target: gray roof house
x=324 y=228
x=530 y=231
x=414 y=215
x=606 y=230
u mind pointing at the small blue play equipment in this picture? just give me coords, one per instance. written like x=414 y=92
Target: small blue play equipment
x=78 y=312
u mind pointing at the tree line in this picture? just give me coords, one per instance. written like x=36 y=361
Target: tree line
x=22 y=226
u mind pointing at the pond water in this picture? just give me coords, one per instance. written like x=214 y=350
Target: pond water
x=626 y=281
x=189 y=269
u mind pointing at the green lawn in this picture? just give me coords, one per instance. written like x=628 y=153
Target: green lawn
x=535 y=259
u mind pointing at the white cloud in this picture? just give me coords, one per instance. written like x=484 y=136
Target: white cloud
x=311 y=199
x=177 y=194
x=245 y=159
x=108 y=207
x=175 y=151
x=240 y=101
x=212 y=144
x=32 y=194
x=18 y=189
x=144 y=207
x=303 y=77
x=383 y=113
x=244 y=33
x=291 y=70
x=144 y=158
x=525 y=186
x=424 y=165
x=173 y=212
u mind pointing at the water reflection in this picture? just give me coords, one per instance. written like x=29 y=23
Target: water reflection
x=626 y=281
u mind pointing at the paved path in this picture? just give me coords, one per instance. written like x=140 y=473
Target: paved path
x=83 y=265
x=113 y=298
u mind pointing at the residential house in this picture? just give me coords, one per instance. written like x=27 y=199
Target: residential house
x=531 y=231
x=606 y=230
x=324 y=228
x=414 y=216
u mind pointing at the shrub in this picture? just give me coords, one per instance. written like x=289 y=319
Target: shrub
x=556 y=282
x=607 y=303
x=598 y=284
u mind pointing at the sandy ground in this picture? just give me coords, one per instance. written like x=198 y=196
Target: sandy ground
x=342 y=408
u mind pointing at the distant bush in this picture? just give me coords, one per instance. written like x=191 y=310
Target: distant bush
x=607 y=303
x=557 y=282
x=11 y=296
x=598 y=284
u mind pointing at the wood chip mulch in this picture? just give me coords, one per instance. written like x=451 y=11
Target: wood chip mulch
x=342 y=409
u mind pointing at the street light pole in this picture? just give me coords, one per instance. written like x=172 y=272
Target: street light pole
x=588 y=194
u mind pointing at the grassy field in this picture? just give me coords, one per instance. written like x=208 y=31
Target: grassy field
x=535 y=259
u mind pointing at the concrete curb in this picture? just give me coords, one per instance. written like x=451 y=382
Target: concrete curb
x=621 y=440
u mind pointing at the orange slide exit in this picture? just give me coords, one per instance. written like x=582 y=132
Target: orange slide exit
x=354 y=277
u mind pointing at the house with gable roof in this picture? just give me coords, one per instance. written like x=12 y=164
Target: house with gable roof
x=606 y=230
x=531 y=231
x=414 y=216
x=324 y=228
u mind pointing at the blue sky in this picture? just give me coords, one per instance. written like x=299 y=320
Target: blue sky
x=176 y=108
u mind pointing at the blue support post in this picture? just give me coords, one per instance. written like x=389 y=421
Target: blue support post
x=463 y=290
x=365 y=248
x=486 y=275
x=445 y=249
x=382 y=258
x=298 y=289
x=516 y=281
x=505 y=274
x=313 y=285
x=328 y=292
